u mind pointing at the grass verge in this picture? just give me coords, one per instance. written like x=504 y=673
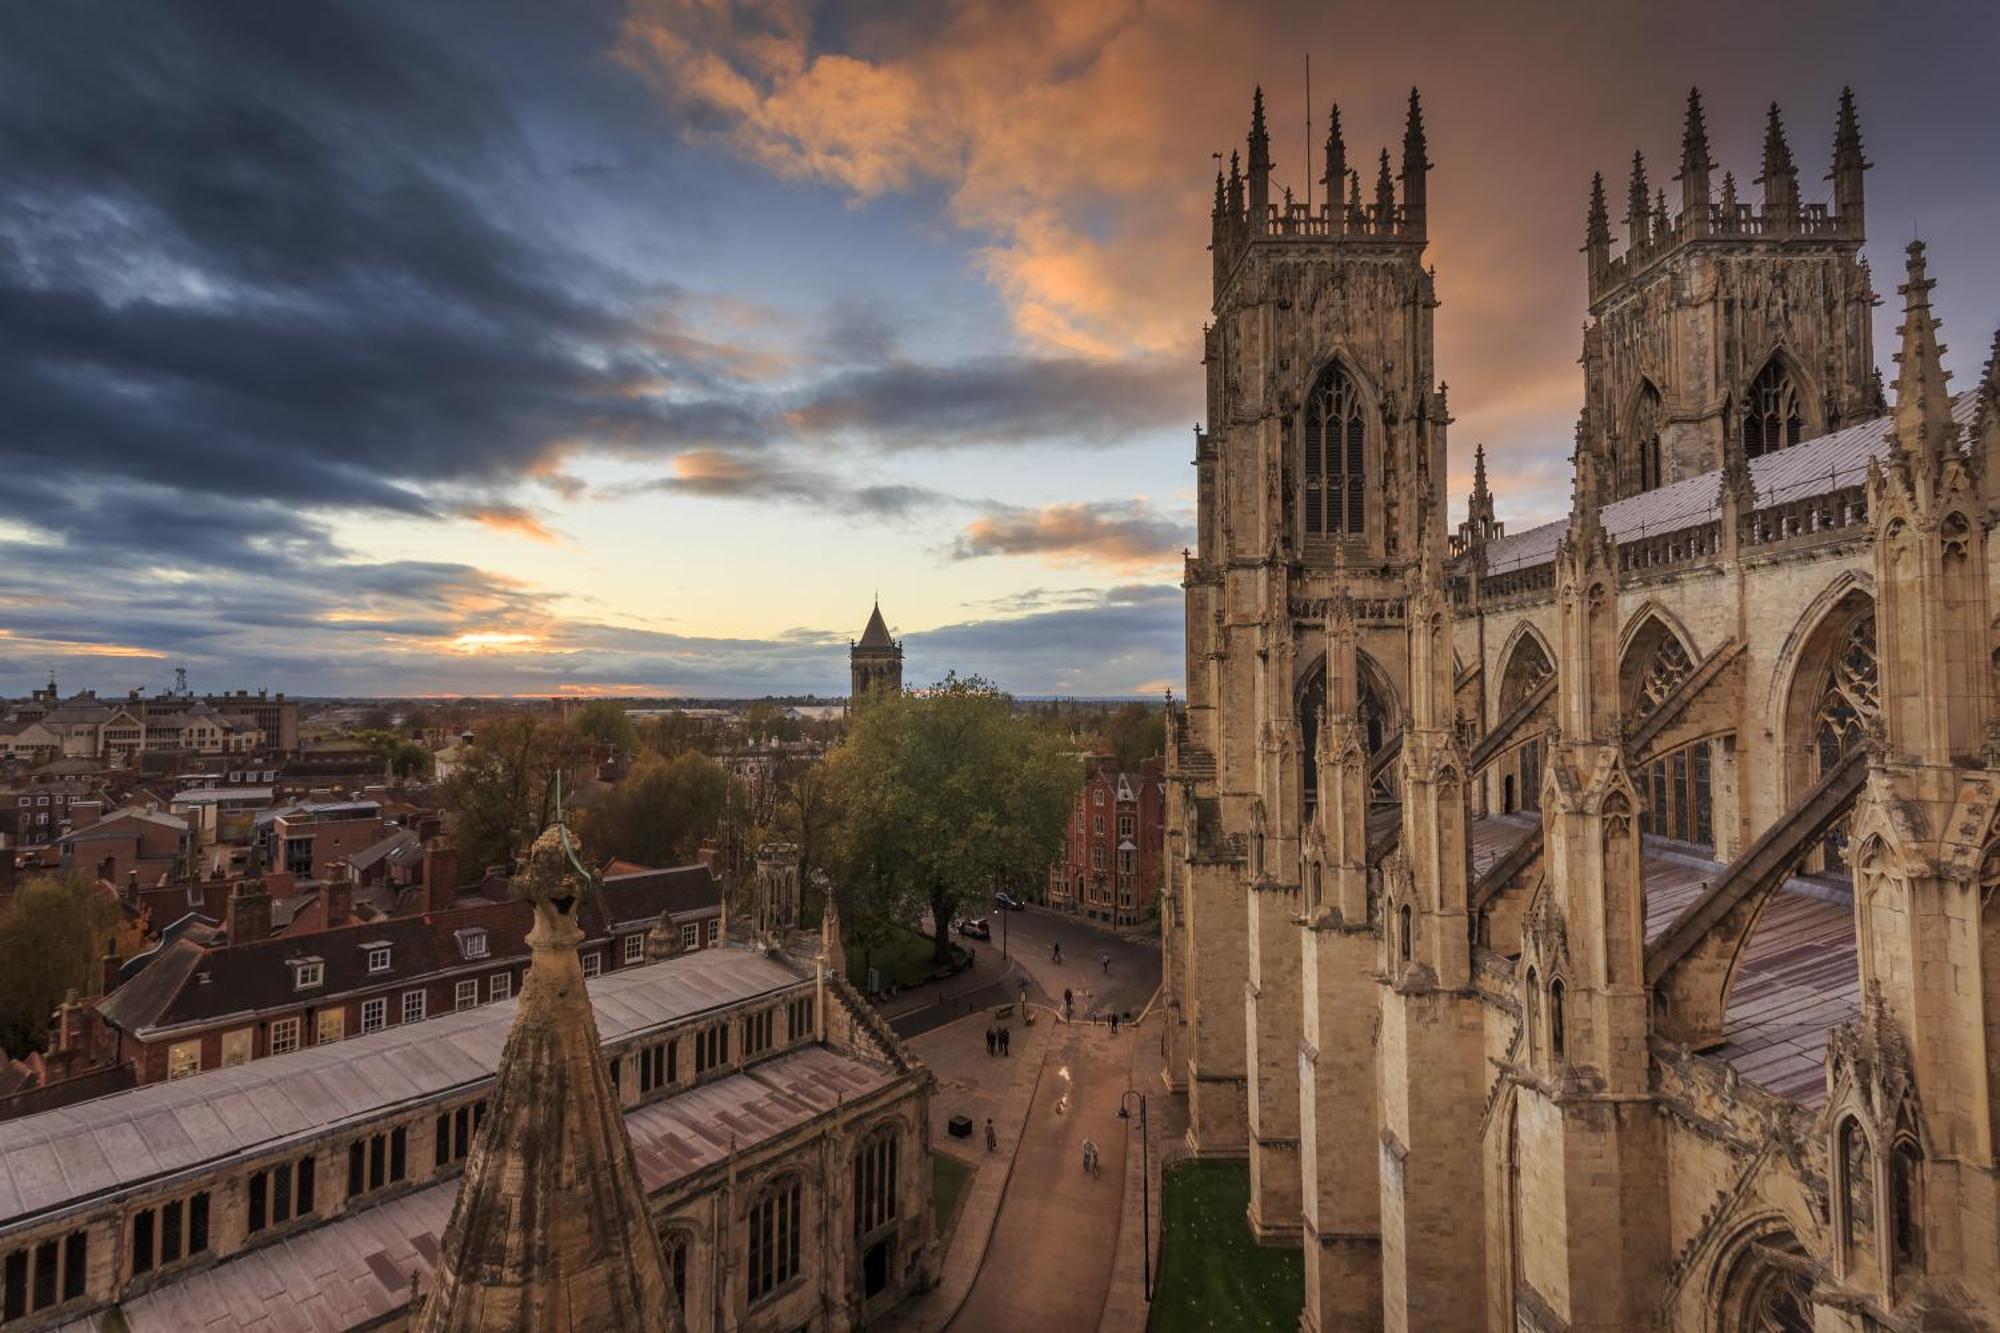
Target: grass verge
x=949 y=1177
x=1211 y=1273
x=902 y=957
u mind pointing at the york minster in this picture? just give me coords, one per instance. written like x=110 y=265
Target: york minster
x=1592 y=925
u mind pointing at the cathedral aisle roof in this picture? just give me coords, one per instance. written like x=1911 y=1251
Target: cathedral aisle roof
x=1799 y=979
x=1825 y=464
x=63 y=1156
x=357 y=1269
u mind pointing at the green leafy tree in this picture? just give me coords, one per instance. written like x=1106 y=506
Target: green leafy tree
x=505 y=789
x=661 y=811
x=948 y=796
x=606 y=722
x=1135 y=733
x=805 y=811
x=406 y=758
x=52 y=937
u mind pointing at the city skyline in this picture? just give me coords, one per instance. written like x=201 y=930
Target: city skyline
x=632 y=348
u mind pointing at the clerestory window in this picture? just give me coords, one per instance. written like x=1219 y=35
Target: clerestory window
x=1772 y=419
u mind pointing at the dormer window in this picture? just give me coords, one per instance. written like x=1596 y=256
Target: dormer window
x=308 y=973
x=378 y=957
x=472 y=943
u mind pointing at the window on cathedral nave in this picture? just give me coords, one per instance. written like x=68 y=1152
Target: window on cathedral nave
x=1334 y=464
x=773 y=1231
x=1772 y=419
x=1642 y=464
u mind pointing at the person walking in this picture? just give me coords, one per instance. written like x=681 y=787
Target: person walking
x=1057 y=946
x=1114 y=1022
x=1006 y=1041
x=992 y=1041
x=992 y=1139
x=1069 y=1004
x=1104 y=956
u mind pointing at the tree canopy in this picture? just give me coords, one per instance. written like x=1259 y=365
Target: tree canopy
x=503 y=791
x=947 y=796
x=1135 y=733
x=607 y=722
x=660 y=811
x=53 y=936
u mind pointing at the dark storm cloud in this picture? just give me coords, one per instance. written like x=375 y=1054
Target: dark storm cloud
x=1004 y=400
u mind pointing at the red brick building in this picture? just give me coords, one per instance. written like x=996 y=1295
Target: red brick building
x=211 y=999
x=1110 y=868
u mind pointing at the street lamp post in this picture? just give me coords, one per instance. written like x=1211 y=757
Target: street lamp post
x=1145 y=1190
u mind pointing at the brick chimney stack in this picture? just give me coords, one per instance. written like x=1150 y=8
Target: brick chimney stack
x=440 y=878
x=249 y=915
x=339 y=893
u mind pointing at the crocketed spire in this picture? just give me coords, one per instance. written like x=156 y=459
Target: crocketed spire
x=1924 y=428
x=551 y=1232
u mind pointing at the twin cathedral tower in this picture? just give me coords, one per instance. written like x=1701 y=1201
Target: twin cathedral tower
x=1508 y=1092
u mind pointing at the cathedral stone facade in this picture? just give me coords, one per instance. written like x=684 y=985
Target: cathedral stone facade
x=1594 y=927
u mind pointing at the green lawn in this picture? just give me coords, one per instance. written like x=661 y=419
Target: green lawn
x=903 y=958
x=948 y=1181
x=1212 y=1274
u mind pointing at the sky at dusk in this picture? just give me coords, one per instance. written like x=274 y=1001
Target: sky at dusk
x=528 y=348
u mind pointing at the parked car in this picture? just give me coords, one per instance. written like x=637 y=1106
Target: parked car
x=975 y=928
x=1007 y=902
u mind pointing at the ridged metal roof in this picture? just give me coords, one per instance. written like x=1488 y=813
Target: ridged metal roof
x=1813 y=468
x=68 y=1155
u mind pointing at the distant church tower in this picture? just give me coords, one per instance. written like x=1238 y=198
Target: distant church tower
x=875 y=663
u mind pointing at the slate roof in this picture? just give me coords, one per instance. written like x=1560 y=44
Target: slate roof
x=638 y=898
x=62 y=1157
x=1828 y=463
x=877 y=633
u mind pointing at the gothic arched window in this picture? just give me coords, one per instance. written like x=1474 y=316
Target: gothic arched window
x=1772 y=418
x=1405 y=928
x=1531 y=1027
x=773 y=1237
x=677 y=1267
x=1643 y=440
x=1849 y=701
x=1558 y=1037
x=1906 y=1203
x=1766 y=1288
x=875 y=1182
x=1335 y=465
x=1855 y=1182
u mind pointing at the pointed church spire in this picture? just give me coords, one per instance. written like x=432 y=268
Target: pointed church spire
x=1848 y=166
x=1221 y=197
x=1336 y=162
x=1985 y=438
x=1385 y=197
x=1235 y=185
x=1416 y=166
x=1924 y=428
x=1356 y=221
x=1638 y=216
x=1695 y=165
x=1660 y=214
x=1730 y=203
x=1259 y=164
x=1781 y=178
x=551 y=1231
x=1482 y=497
x=1596 y=227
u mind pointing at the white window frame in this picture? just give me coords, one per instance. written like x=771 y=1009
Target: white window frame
x=378 y=958
x=284 y=1036
x=416 y=1003
x=338 y=1015
x=466 y=994
x=635 y=948
x=714 y=929
x=472 y=943
x=593 y=963
x=500 y=986
x=375 y=1014
x=308 y=974
x=184 y=1059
